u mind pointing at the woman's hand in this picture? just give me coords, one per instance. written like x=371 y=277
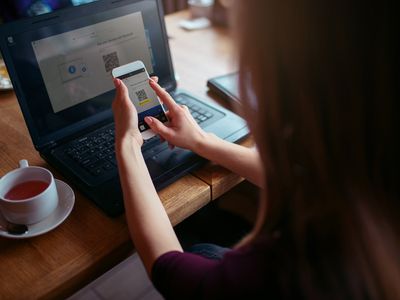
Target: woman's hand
x=183 y=131
x=125 y=117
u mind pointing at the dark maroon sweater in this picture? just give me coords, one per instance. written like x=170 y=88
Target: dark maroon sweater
x=245 y=273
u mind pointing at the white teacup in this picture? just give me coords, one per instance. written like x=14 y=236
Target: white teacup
x=201 y=8
x=35 y=208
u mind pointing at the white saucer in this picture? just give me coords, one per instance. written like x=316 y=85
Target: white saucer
x=66 y=200
x=5 y=84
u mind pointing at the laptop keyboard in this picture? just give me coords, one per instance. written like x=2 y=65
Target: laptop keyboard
x=96 y=154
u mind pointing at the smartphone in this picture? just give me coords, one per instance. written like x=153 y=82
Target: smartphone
x=136 y=78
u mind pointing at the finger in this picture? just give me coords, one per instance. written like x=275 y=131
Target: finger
x=122 y=90
x=155 y=78
x=117 y=94
x=159 y=127
x=164 y=96
x=185 y=107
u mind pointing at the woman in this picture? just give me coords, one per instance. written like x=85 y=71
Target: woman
x=319 y=81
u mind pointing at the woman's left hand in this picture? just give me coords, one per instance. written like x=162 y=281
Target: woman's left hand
x=125 y=116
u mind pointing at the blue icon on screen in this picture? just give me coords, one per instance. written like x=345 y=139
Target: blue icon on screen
x=72 y=69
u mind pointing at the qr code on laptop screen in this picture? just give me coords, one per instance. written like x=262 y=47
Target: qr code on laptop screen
x=141 y=94
x=111 y=61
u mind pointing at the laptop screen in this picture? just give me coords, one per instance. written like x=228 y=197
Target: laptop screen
x=64 y=65
x=16 y=9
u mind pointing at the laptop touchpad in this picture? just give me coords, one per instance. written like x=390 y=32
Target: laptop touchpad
x=169 y=159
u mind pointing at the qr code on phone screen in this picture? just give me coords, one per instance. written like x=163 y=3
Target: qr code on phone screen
x=141 y=94
x=111 y=61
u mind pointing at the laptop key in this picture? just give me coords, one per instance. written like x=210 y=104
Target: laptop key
x=109 y=144
x=111 y=158
x=108 y=151
x=82 y=157
x=95 y=165
x=98 y=141
x=108 y=166
x=89 y=160
x=109 y=138
x=100 y=155
x=203 y=118
x=97 y=172
x=82 y=139
x=89 y=144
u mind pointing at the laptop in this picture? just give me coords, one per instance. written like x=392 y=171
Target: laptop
x=60 y=66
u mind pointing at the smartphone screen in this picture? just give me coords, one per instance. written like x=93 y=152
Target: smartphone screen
x=143 y=97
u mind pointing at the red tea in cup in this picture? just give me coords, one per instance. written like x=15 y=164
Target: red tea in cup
x=28 y=194
x=27 y=189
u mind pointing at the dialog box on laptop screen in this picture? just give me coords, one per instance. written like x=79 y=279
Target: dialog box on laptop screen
x=76 y=65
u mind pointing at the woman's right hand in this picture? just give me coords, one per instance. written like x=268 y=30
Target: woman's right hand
x=182 y=131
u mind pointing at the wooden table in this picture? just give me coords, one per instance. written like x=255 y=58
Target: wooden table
x=88 y=243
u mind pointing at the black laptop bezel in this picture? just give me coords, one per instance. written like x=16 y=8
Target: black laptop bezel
x=20 y=26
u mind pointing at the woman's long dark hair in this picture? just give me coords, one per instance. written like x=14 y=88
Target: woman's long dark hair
x=320 y=87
